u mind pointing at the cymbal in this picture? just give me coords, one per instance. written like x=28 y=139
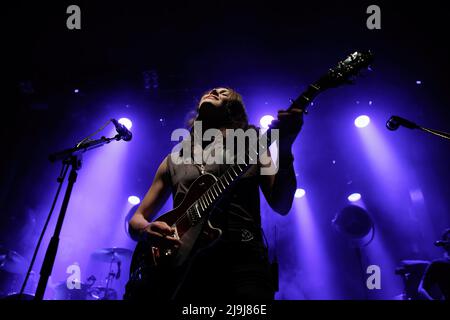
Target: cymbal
x=414 y=262
x=111 y=254
x=17 y=296
x=101 y=293
x=62 y=285
x=12 y=262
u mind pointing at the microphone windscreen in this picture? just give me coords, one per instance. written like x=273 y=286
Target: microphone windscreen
x=439 y=243
x=392 y=124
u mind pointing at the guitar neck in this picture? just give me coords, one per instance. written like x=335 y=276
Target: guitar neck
x=223 y=184
x=235 y=171
x=303 y=100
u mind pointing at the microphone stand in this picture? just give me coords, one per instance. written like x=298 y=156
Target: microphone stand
x=438 y=133
x=395 y=122
x=70 y=157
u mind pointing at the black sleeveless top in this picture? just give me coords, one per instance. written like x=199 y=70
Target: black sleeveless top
x=238 y=211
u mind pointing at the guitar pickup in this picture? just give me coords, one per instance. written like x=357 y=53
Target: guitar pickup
x=194 y=214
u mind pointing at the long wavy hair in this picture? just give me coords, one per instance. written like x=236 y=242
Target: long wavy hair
x=235 y=116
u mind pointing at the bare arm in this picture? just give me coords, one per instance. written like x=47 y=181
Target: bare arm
x=155 y=198
x=279 y=189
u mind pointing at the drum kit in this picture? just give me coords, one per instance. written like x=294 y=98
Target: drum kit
x=15 y=265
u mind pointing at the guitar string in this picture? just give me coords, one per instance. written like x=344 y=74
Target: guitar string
x=202 y=170
x=184 y=215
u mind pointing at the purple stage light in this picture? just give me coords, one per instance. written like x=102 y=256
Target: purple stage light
x=265 y=121
x=299 y=193
x=76 y=90
x=418 y=82
x=354 y=197
x=134 y=200
x=362 y=121
x=126 y=122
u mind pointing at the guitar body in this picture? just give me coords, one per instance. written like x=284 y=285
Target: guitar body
x=152 y=262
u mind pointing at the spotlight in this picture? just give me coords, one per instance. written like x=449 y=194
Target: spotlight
x=362 y=121
x=134 y=200
x=265 y=121
x=126 y=122
x=354 y=197
x=76 y=90
x=418 y=82
x=299 y=193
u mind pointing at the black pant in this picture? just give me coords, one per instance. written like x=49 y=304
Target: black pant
x=229 y=271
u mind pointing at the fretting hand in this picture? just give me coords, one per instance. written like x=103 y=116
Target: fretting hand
x=289 y=122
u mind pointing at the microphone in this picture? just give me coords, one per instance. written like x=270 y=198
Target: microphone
x=395 y=122
x=118 y=269
x=441 y=243
x=123 y=132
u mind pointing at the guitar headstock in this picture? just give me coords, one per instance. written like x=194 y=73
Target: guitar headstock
x=346 y=69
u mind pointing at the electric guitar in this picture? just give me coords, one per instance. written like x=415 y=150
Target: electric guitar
x=152 y=262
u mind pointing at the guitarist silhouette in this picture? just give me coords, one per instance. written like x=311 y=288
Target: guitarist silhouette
x=210 y=246
x=237 y=264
